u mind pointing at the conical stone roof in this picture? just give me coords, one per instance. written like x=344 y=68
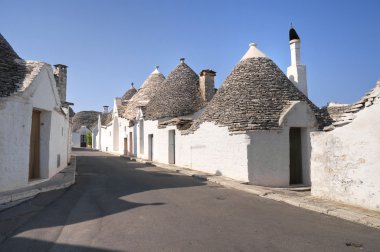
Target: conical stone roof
x=253 y=97
x=178 y=95
x=16 y=74
x=129 y=94
x=143 y=95
x=12 y=69
x=85 y=118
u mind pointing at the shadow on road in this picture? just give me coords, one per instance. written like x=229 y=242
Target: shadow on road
x=39 y=245
x=103 y=186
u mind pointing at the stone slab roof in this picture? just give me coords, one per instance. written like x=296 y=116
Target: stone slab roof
x=181 y=123
x=343 y=114
x=106 y=118
x=253 y=97
x=178 y=95
x=129 y=94
x=85 y=118
x=143 y=96
x=15 y=73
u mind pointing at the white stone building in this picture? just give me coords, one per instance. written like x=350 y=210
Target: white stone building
x=34 y=119
x=259 y=127
x=257 y=114
x=83 y=124
x=255 y=129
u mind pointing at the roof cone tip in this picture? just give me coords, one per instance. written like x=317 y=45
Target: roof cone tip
x=156 y=71
x=253 y=52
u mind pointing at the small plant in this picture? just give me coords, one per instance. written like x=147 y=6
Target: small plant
x=89 y=139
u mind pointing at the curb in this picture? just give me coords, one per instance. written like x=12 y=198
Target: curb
x=350 y=213
x=32 y=191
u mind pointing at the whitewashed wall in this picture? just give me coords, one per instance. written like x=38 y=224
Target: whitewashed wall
x=75 y=138
x=107 y=138
x=345 y=162
x=210 y=149
x=268 y=152
x=15 y=121
x=123 y=133
x=215 y=150
x=160 y=142
x=95 y=139
x=261 y=157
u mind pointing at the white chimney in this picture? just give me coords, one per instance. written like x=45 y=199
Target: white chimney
x=105 y=109
x=118 y=101
x=296 y=72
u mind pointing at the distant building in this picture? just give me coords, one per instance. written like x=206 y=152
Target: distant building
x=83 y=122
x=34 y=119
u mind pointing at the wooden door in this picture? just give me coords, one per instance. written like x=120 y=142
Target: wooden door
x=130 y=144
x=171 y=146
x=125 y=146
x=295 y=165
x=150 y=147
x=34 y=152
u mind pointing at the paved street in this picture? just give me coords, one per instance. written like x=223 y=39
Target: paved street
x=118 y=205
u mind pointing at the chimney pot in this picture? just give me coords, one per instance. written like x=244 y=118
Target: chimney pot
x=207 y=84
x=60 y=76
x=105 y=109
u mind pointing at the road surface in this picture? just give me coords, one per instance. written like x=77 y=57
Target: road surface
x=119 y=205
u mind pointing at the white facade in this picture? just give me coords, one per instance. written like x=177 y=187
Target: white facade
x=78 y=137
x=247 y=157
x=16 y=120
x=269 y=153
x=345 y=161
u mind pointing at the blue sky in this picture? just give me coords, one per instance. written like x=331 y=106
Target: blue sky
x=109 y=44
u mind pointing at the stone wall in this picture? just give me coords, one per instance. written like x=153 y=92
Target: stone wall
x=345 y=161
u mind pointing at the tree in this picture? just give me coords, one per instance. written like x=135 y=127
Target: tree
x=89 y=139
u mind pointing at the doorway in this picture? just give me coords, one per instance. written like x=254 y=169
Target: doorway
x=141 y=136
x=150 y=147
x=34 y=152
x=130 y=144
x=295 y=149
x=125 y=146
x=83 y=141
x=171 y=146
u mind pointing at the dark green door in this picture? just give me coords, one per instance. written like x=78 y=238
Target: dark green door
x=295 y=147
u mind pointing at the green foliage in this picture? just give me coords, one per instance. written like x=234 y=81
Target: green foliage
x=89 y=138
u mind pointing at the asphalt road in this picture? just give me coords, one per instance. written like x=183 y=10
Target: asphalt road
x=118 y=205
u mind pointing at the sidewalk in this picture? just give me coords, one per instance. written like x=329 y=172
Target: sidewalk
x=62 y=179
x=299 y=197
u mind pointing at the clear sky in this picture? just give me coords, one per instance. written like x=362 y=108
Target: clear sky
x=109 y=44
